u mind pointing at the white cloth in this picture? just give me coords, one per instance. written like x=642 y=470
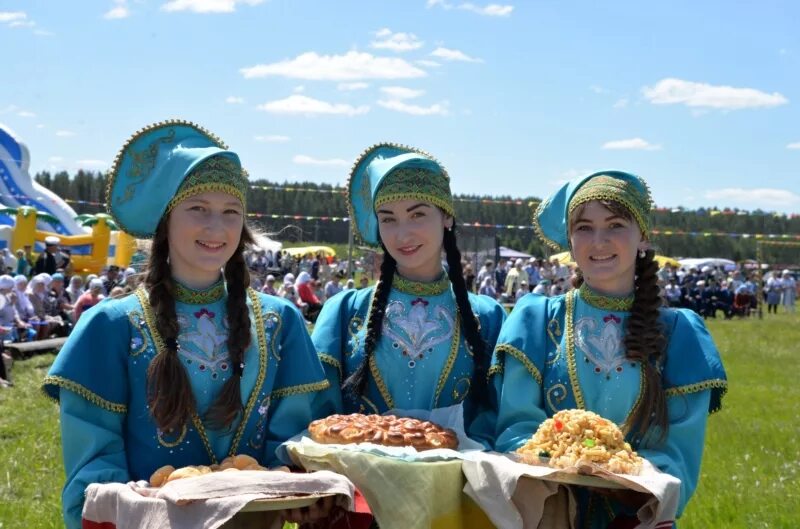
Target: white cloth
x=204 y=502
x=517 y=496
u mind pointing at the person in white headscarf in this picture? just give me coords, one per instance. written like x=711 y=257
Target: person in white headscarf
x=789 y=291
x=305 y=291
x=37 y=294
x=23 y=304
x=75 y=289
x=90 y=298
x=487 y=287
x=9 y=261
x=11 y=326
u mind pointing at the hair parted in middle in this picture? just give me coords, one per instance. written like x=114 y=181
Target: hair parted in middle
x=169 y=392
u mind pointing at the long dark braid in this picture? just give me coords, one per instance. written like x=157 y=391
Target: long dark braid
x=469 y=322
x=645 y=343
x=644 y=337
x=356 y=383
x=237 y=278
x=169 y=393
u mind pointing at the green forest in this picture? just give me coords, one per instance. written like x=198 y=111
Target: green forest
x=504 y=220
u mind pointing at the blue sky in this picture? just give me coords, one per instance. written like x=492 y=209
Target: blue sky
x=699 y=98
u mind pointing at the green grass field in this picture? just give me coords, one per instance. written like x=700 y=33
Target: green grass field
x=751 y=467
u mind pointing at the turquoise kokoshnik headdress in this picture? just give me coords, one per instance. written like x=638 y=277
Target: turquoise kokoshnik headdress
x=387 y=172
x=163 y=164
x=551 y=219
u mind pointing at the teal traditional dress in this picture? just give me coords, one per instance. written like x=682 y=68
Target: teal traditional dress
x=567 y=352
x=421 y=361
x=100 y=379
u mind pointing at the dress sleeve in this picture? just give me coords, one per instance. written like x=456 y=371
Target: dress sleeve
x=516 y=373
x=491 y=316
x=298 y=396
x=93 y=449
x=330 y=341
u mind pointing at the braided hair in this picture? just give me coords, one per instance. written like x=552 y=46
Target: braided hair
x=170 y=396
x=644 y=338
x=355 y=384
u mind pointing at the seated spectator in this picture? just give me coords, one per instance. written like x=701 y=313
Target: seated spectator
x=23 y=304
x=311 y=303
x=37 y=294
x=269 y=286
x=58 y=307
x=333 y=286
x=90 y=298
x=542 y=288
x=350 y=285
x=521 y=291
x=741 y=301
x=487 y=287
x=12 y=327
x=672 y=293
x=74 y=290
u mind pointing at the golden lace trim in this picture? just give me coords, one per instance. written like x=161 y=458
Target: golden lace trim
x=136 y=320
x=715 y=383
x=642 y=382
x=371 y=404
x=616 y=190
x=300 y=389
x=460 y=396
x=330 y=360
x=263 y=363
x=418 y=288
x=441 y=203
x=223 y=187
x=496 y=369
x=554 y=400
x=571 y=367
x=376 y=375
x=537 y=228
x=368 y=194
x=554 y=333
x=129 y=190
x=521 y=358
x=84 y=392
x=201 y=431
x=206 y=296
x=601 y=301
x=451 y=358
x=176 y=442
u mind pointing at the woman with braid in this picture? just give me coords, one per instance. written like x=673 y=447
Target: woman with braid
x=609 y=346
x=417 y=339
x=193 y=366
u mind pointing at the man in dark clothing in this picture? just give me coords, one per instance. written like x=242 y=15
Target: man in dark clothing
x=47 y=259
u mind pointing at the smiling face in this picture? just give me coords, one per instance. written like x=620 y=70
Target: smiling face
x=203 y=232
x=413 y=233
x=605 y=240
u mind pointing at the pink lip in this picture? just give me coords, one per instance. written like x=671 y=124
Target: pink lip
x=209 y=249
x=409 y=250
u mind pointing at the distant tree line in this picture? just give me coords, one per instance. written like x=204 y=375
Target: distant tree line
x=85 y=190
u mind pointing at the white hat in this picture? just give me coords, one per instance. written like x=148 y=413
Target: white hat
x=519 y=262
x=6 y=282
x=95 y=283
x=270 y=277
x=51 y=240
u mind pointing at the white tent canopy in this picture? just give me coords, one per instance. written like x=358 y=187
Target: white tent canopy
x=508 y=253
x=700 y=262
x=265 y=243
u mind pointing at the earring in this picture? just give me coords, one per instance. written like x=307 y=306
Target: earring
x=642 y=253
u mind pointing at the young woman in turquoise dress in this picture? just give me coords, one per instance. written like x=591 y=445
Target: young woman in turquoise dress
x=194 y=365
x=609 y=346
x=417 y=339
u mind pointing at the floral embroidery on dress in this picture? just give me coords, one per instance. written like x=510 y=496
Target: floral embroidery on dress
x=257 y=441
x=416 y=332
x=204 y=343
x=601 y=343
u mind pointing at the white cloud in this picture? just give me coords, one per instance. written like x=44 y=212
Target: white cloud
x=632 y=144
x=22 y=24
x=272 y=138
x=401 y=92
x=7 y=17
x=118 y=12
x=427 y=63
x=302 y=159
x=491 y=10
x=760 y=197
x=453 y=55
x=26 y=114
x=597 y=89
x=298 y=89
x=91 y=163
x=783 y=51
x=795 y=145
x=43 y=33
x=621 y=103
x=304 y=105
x=65 y=133
x=672 y=91
x=40 y=126
x=55 y=159
x=345 y=87
x=395 y=41
x=234 y=100
x=206 y=6
x=352 y=66
x=438 y=109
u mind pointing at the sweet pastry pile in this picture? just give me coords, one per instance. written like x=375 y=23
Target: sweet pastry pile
x=168 y=473
x=386 y=430
x=572 y=438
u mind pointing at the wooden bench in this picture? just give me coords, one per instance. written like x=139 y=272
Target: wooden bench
x=21 y=350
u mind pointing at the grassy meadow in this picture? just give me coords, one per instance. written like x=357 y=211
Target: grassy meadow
x=751 y=467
